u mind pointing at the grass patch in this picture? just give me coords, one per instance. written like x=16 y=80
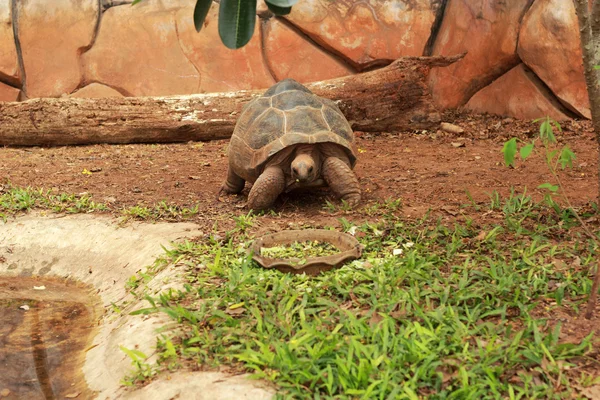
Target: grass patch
x=161 y=211
x=430 y=310
x=14 y=200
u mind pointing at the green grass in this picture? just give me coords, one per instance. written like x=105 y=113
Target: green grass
x=161 y=211
x=431 y=310
x=14 y=200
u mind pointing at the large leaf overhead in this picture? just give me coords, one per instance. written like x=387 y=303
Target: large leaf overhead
x=200 y=12
x=282 y=3
x=236 y=22
x=278 y=10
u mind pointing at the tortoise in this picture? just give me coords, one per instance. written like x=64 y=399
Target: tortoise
x=287 y=139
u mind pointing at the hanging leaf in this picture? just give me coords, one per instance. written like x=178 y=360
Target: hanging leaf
x=282 y=3
x=200 y=12
x=236 y=22
x=278 y=10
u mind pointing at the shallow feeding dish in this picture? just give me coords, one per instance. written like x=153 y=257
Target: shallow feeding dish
x=348 y=249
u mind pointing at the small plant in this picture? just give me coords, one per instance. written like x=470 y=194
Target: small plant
x=244 y=222
x=143 y=369
x=555 y=157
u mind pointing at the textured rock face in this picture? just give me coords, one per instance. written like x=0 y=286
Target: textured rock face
x=96 y=90
x=153 y=49
x=549 y=45
x=8 y=93
x=221 y=69
x=488 y=30
x=9 y=64
x=289 y=55
x=364 y=31
x=518 y=94
x=137 y=50
x=52 y=37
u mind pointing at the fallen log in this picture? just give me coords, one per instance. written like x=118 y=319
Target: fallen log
x=392 y=98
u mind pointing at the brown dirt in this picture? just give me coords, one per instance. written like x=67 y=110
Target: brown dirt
x=428 y=171
x=424 y=169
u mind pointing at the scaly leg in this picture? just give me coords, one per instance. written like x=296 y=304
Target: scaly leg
x=342 y=180
x=266 y=189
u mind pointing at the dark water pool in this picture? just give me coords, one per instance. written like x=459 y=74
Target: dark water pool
x=46 y=326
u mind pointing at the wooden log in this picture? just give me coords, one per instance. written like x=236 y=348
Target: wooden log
x=392 y=98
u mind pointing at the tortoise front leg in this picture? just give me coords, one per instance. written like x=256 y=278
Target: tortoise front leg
x=342 y=180
x=266 y=189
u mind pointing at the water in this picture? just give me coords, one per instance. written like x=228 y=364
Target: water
x=44 y=335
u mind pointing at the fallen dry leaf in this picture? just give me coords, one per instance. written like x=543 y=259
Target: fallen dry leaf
x=235 y=311
x=451 y=128
x=375 y=319
x=481 y=236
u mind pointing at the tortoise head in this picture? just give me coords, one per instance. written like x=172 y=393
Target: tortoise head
x=305 y=168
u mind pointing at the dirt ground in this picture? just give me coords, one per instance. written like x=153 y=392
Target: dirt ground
x=428 y=170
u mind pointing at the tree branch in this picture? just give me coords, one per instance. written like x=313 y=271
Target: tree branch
x=392 y=98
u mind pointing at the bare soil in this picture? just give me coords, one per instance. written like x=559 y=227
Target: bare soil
x=435 y=171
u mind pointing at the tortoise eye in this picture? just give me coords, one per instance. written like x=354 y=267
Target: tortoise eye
x=295 y=171
x=310 y=169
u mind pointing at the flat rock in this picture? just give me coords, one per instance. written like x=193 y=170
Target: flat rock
x=9 y=64
x=137 y=51
x=488 y=30
x=549 y=45
x=8 y=93
x=222 y=69
x=204 y=386
x=51 y=40
x=518 y=93
x=292 y=56
x=96 y=90
x=365 y=31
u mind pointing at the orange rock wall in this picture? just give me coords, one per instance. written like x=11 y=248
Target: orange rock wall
x=523 y=57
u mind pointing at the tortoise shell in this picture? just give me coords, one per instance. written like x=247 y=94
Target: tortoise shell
x=286 y=114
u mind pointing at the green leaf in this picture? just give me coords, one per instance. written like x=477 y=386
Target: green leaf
x=526 y=150
x=282 y=3
x=509 y=150
x=550 y=187
x=566 y=157
x=200 y=12
x=236 y=22
x=134 y=2
x=278 y=10
x=546 y=132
